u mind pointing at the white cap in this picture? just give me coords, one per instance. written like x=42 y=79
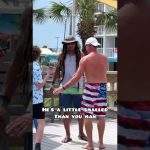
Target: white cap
x=93 y=41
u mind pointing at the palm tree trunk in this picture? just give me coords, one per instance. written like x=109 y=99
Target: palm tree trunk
x=83 y=47
x=83 y=42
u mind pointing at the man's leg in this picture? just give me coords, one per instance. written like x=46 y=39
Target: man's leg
x=65 y=102
x=82 y=136
x=81 y=122
x=66 y=122
x=77 y=99
x=39 y=134
x=101 y=128
x=89 y=128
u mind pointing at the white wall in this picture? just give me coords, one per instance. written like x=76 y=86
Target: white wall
x=110 y=42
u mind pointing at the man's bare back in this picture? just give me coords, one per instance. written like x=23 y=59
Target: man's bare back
x=95 y=68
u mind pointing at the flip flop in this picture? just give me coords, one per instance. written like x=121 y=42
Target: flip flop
x=66 y=140
x=82 y=137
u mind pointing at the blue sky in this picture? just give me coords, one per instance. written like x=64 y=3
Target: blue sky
x=46 y=33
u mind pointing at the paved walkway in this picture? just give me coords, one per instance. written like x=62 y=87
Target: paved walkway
x=54 y=132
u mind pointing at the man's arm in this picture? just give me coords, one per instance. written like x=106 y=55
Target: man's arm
x=74 y=79
x=41 y=85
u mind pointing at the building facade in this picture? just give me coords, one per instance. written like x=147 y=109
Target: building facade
x=107 y=38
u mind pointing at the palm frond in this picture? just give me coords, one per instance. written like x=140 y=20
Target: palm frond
x=39 y=15
x=59 y=11
x=86 y=8
x=109 y=19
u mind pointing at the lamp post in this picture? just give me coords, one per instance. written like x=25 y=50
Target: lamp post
x=73 y=17
x=65 y=22
x=57 y=43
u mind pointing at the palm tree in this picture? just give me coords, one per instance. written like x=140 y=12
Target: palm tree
x=85 y=10
x=59 y=12
x=39 y=15
x=109 y=19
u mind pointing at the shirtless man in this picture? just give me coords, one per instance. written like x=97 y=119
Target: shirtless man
x=94 y=66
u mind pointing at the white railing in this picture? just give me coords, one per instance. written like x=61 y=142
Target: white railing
x=103 y=8
x=108 y=8
x=101 y=31
x=109 y=52
x=100 y=8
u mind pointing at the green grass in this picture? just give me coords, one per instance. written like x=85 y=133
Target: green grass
x=47 y=102
x=111 y=98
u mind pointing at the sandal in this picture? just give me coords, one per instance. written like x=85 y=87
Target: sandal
x=83 y=137
x=66 y=140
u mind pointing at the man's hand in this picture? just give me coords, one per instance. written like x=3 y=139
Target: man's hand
x=40 y=85
x=20 y=126
x=58 y=91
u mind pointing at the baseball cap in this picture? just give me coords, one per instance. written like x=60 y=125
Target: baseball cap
x=93 y=41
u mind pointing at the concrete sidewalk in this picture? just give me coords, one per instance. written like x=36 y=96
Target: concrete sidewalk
x=54 y=133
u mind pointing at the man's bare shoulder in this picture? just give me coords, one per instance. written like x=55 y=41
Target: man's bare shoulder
x=83 y=60
x=103 y=56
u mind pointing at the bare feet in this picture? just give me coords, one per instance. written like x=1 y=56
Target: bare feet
x=66 y=140
x=101 y=146
x=88 y=147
